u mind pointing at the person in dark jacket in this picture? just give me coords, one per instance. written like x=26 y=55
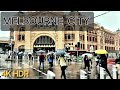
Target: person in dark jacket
x=41 y=60
x=87 y=62
x=103 y=58
x=50 y=59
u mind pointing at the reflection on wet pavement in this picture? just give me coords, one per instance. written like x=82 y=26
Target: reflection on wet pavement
x=72 y=71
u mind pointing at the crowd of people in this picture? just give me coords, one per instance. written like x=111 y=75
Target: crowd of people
x=100 y=60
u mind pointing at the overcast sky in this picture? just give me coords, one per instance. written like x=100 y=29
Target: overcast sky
x=110 y=21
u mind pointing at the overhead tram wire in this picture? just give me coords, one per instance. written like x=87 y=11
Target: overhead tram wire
x=100 y=15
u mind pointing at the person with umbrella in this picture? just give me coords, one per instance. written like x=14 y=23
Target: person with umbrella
x=104 y=64
x=50 y=59
x=63 y=65
x=30 y=57
x=103 y=60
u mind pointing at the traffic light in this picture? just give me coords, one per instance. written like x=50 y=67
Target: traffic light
x=78 y=44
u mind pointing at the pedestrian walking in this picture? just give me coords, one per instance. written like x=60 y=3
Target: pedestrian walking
x=30 y=57
x=20 y=56
x=41 y=60
x=103 y=58
x=69 y=60
x=50 y=59
x=63 y=65
x=86 y=62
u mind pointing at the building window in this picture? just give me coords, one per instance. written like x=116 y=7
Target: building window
x=87 y=38
x=22 y=28
x=83 y=46
x=83 y=37
x=96 y=47
x=81 y=29
x=65 y=36
x=73 y=36
x=90 y=38
x=69 y=28
x=68 y=36
x=21 y=37
x=93 y=39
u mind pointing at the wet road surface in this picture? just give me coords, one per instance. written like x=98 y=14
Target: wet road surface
x=72 y=71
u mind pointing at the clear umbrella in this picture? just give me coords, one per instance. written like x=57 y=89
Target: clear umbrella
x=67 y=55
x=60 y=52
x=88 y=54
x=50 y=53
x=30 y=53
x=40 y=51
x=20 y=53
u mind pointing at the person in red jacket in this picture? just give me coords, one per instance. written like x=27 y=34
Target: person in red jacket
x=41 y=60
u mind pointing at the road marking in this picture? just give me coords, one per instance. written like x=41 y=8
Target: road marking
x=35 y=69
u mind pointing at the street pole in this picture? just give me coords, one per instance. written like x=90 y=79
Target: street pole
x=11 y=48
x=55 y=49
x=77 y=52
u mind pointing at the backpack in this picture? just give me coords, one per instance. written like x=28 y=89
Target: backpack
x=50 y=59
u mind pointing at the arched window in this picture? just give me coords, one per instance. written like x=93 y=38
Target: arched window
x=22 y=29
x=69 y=28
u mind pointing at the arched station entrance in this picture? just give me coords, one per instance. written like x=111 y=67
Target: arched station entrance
x=44 y=43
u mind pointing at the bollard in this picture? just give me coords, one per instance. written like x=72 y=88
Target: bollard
x=102 y=73
x=37 y=58
x=83 y=74
x=23 y=57
x=115 y=72
x=50 y=75
x=17 y=57
x=33 y=60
